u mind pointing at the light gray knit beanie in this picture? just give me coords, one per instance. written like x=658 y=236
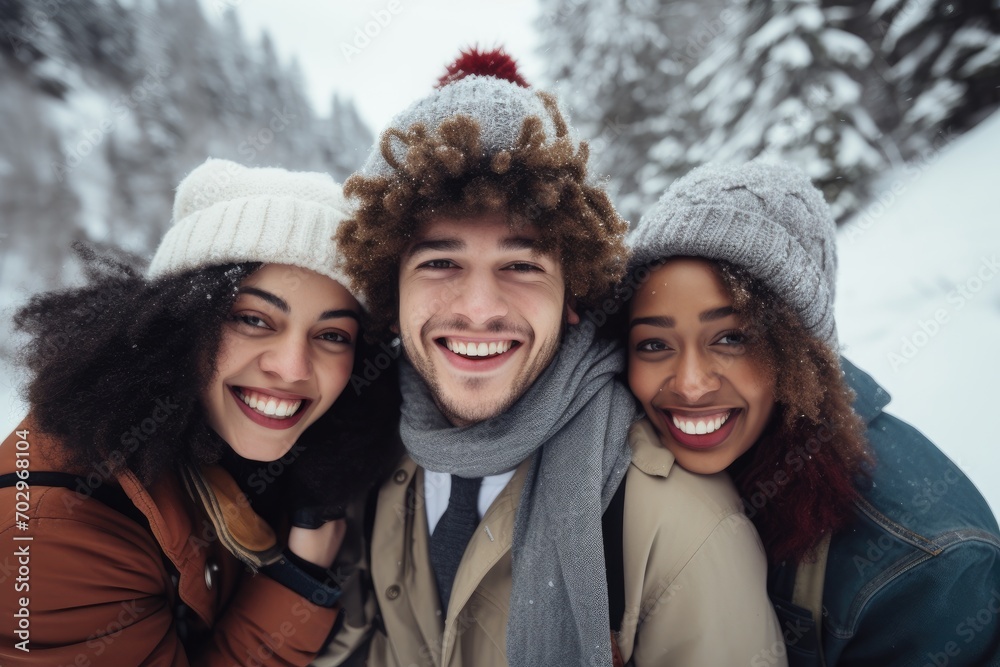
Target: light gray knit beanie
x=499 y=106
x=768 y=219
x=227 y=213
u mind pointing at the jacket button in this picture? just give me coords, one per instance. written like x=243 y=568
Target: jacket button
x=210 y=570
x=392 y=592
x=399 y=477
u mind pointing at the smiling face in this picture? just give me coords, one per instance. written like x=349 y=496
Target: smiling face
x=480 y=312
x=688 y=364
x=287 y=352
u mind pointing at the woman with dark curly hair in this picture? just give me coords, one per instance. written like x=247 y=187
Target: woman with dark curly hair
x=733 y=355
x=174 y=495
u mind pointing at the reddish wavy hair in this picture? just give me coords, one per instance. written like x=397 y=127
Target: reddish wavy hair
x=802 y=478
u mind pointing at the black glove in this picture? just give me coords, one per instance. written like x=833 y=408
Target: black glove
x=314 y=516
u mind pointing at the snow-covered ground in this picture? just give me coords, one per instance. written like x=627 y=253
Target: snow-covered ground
x=918 y=301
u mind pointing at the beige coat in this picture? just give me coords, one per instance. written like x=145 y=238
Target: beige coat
x=695 y=572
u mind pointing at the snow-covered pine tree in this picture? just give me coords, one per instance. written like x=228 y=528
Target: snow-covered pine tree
x=945 y=64
x=105 y=110
x=785 y=84
x=351 y=139
x=619 y=65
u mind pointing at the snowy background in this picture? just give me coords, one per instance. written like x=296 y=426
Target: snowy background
x=890 y=106
x=918 y=298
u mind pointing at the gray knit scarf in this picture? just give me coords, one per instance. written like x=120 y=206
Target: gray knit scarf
x=574 y=420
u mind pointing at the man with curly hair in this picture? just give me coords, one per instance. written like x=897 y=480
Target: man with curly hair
x=526 y=525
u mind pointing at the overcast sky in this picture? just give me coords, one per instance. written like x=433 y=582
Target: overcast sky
x=407 y=51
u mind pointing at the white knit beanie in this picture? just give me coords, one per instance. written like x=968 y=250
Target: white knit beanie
x=766 y=218
x=227 y=213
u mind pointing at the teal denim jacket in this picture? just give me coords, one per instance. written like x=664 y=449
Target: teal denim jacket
x=915 y=580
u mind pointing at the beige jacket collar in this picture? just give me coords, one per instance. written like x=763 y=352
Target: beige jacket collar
x=648 y=454
x=404 y=497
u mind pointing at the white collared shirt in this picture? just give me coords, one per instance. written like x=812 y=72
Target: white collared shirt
x=437 y=491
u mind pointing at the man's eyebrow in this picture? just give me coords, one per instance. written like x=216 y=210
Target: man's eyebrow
x=518 y=243
x=434 y=245
x=337 y=314
x=272 y=299
x=716 y=314
x=661 y=321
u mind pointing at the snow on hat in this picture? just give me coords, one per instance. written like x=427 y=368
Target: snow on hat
x=227 y=213
x=768 y=219
x=484 y=86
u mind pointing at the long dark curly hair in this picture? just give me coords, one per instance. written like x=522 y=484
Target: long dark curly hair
x=449 y=173
x=116 y=369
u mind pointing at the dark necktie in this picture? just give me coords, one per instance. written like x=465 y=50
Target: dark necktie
x=453 y=532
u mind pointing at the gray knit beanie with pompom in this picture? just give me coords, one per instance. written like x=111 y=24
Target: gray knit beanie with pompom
x=768 y=219
x=498 y=106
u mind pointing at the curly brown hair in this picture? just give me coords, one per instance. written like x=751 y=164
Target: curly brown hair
x=801 y=479
x=449 y=173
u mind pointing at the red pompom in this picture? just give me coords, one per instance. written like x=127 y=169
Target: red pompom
x=484 y=63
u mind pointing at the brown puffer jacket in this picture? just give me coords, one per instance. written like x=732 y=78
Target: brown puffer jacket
x=82 y=584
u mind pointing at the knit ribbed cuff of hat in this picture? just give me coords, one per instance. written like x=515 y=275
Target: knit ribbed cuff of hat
x=253 y=229
x=745 y=239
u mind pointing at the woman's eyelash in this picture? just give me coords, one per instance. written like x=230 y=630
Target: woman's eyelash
x=249 y=320
x=741 y=338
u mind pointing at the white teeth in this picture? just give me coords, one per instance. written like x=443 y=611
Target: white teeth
x=277 y=408
x=701 y=427
x=478 y=349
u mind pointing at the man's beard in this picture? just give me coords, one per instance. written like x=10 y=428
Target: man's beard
x=463 y=413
